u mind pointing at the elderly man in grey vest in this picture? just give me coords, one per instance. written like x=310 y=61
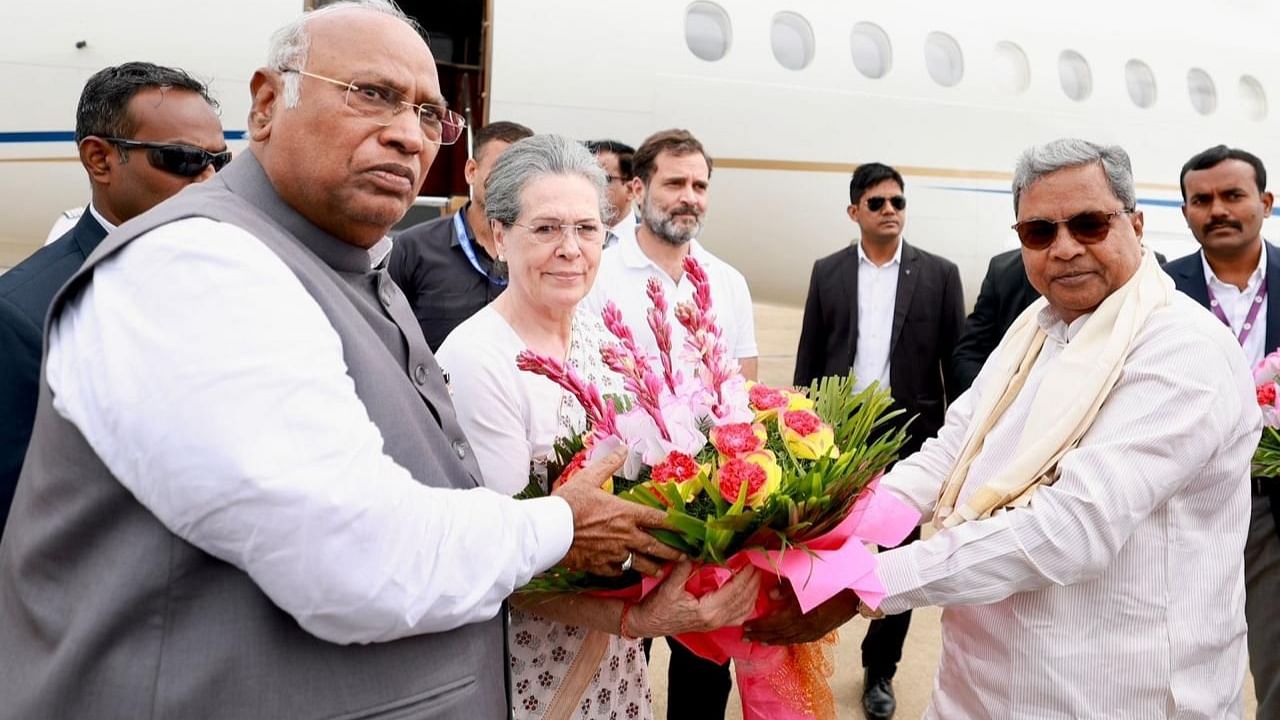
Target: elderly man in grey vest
x=247 y=494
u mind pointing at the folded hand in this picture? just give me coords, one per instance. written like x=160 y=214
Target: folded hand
x=787 y=625
x=671 y=610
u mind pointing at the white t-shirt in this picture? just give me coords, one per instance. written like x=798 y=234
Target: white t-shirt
x=622 y=277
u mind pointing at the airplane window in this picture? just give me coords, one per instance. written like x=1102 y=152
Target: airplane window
x=943 y=58
x=872 y=53
x=707 y=31
x=1253 y=98
x=1075 y=75
x=1013 y=71
x=1204 y=96
x=1141 y=83
x=792 y=38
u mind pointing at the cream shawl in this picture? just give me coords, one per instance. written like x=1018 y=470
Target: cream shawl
x=1066 y=401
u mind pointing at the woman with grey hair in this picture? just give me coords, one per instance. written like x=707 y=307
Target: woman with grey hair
x=571 y=656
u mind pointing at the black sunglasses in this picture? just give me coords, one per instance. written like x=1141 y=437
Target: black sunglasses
x=874 y=204
x=183 y=160
x=1086 y=227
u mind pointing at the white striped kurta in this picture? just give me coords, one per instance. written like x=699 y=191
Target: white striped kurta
x=1119 y=591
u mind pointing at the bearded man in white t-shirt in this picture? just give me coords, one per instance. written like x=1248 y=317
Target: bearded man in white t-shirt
x=672 y=177
x=671 y=183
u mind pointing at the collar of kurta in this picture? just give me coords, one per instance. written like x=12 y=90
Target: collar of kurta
x=247 y=179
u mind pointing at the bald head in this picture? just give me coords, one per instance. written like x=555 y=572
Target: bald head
x=328 y=123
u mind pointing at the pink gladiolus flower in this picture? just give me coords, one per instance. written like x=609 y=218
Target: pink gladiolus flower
x=601 y=414
x=1268 y=370
x=704 y=341
x=657 y=317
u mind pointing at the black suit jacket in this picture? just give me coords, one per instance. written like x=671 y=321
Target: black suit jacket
x=1005 y=293
x=927 y=315
x=25 y=294
x=441 y=284
x=1188 y=276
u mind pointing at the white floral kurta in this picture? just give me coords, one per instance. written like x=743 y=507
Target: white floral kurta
x=490 y=390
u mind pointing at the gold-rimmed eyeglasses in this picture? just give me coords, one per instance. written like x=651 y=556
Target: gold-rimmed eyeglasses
x=381 y=104
x=547 y=232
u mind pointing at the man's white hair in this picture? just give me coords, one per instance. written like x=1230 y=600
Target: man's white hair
x=290 y=44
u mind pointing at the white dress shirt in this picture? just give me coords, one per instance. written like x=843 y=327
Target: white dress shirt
x=105 y=223
x=213 y=387
x=1236 y=304
x=877 y=295
x=624 y=272
x=1119 y=591
x=625 y=229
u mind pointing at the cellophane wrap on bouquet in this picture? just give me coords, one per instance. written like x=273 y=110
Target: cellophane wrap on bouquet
x=782 y=479
x=1266 y=378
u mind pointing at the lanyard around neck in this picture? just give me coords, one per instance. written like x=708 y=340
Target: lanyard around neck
x=1255 y=307
x=460 y=229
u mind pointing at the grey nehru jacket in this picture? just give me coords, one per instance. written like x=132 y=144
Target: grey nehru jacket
x=106 y=614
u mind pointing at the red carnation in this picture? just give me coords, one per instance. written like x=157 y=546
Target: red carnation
x=736 y=472
x=766 y=398
x=736 y=439
x=678 y=467
x=803 y=422
x=1266 y=394
x=575 y=464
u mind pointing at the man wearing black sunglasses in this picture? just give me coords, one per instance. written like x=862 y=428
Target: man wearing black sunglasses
x=1090 y=491
x=151 y=105
x=1236 y=276
x=892 y=313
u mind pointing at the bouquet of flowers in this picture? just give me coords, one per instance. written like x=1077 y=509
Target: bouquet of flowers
x=1266 y=459
x=782 y=479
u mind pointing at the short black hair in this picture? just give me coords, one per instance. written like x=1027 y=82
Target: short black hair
x=104 y=103
x=1219 y=153
x=623 y=151
x=676 y=141
x=868 y=175
x=502 y=130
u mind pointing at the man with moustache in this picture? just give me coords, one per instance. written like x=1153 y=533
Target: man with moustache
x=1089 y=491
x=448 y=267
x=256 y=501
x=144 y=132
x=1236 y=275
x=671 y=185
x=891 y=312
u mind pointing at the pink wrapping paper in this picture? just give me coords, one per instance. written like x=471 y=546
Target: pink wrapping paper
x=836 y=561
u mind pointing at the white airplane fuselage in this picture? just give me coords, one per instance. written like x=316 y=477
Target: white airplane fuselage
x=784 y=140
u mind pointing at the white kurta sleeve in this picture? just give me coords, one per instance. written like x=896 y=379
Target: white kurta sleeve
x=1173 y=408
x=217 y=394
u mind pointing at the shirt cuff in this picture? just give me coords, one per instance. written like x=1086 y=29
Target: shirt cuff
x=552 y=522
x=903 y=589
